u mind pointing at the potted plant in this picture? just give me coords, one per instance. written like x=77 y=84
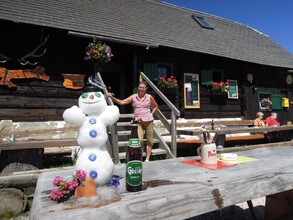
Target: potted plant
x=220 y=88
x=169 y=83
x=169 y=87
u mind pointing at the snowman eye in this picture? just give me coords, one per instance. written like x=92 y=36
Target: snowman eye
x=84 y=95
x=98 y=94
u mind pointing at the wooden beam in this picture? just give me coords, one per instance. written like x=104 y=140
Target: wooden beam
x=25 y=179
x=20 y=145
x=236 y=138
x=238 y=130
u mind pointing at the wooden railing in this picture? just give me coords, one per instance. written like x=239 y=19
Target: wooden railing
x=113 y=128
x=171 y=127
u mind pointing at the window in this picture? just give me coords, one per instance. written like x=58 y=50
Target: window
x=203 y=22
x=211 y=75
x=164 y=69
x=156 y=70
x=265 y=101
x=269 y=101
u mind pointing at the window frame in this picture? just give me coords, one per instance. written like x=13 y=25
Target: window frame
x=203 y=22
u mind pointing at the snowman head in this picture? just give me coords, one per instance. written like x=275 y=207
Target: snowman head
x=92 y=101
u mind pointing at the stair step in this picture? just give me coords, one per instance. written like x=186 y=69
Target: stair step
x=157 y=151
x=125 y=143
x=123 y=133
x=125 y=123
x=126 y=115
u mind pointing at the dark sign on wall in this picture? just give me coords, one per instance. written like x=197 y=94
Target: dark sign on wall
x=191 y=90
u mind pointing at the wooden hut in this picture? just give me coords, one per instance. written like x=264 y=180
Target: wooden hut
x=150 y=36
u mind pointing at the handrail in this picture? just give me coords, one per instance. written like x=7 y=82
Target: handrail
x=113 y=128
x=165 y=99
x=174 y=112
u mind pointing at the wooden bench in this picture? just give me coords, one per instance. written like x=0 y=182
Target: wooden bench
x=32 y=140
x=250 y=133
x=216 y=122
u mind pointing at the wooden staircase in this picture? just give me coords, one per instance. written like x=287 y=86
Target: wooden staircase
x=124 y=130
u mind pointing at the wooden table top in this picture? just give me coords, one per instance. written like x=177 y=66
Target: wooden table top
x=187 y=190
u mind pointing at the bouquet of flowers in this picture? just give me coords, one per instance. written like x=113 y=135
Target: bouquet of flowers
x=66 y=189
x=170 y=82
x=98 y=51
x=220 y=86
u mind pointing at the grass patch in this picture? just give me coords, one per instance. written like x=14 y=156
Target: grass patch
x=7 y=215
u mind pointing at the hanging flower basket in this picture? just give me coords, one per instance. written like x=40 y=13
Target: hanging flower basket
x=99 y=52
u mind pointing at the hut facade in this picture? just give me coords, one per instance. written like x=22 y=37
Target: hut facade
x=160 y=39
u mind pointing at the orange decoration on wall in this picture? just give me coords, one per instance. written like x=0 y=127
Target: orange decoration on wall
x=7 y=75
x=73 y=81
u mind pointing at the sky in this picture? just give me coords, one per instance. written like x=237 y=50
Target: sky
x=271 y=17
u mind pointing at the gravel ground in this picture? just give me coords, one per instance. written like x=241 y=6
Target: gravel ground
x=237 y=212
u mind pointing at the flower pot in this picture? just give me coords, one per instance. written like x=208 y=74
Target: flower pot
x=218 y=92
x=170 y=93
x=218 y=98
x=168 y=90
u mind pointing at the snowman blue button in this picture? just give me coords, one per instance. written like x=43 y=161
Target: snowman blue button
x=92 y=121
x=92 y=157
x=93 y=133
x=93 y=174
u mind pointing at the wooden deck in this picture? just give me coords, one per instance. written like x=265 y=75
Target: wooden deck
x=181 y=190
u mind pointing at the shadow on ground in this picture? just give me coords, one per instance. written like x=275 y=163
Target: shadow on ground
x=232 y=213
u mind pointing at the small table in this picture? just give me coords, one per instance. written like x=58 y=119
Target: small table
x=185 y=190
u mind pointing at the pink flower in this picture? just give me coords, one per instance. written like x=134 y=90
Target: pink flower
x=80 y=174
x=72 y=185
x=66 y=189
x=57 y=181
x=56 y=195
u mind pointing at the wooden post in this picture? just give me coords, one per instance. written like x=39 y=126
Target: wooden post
x=173 y=133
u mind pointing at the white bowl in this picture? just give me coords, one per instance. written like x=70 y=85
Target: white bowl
x=228 y=156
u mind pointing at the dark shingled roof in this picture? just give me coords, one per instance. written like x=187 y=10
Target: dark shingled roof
x=150 y=22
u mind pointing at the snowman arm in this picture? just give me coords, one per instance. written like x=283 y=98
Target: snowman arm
x=110 y=115
x=74 y=115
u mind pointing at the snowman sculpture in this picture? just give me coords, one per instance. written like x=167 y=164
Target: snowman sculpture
x=92 y=115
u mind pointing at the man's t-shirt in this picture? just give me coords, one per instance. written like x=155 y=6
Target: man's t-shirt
x=272 y=122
